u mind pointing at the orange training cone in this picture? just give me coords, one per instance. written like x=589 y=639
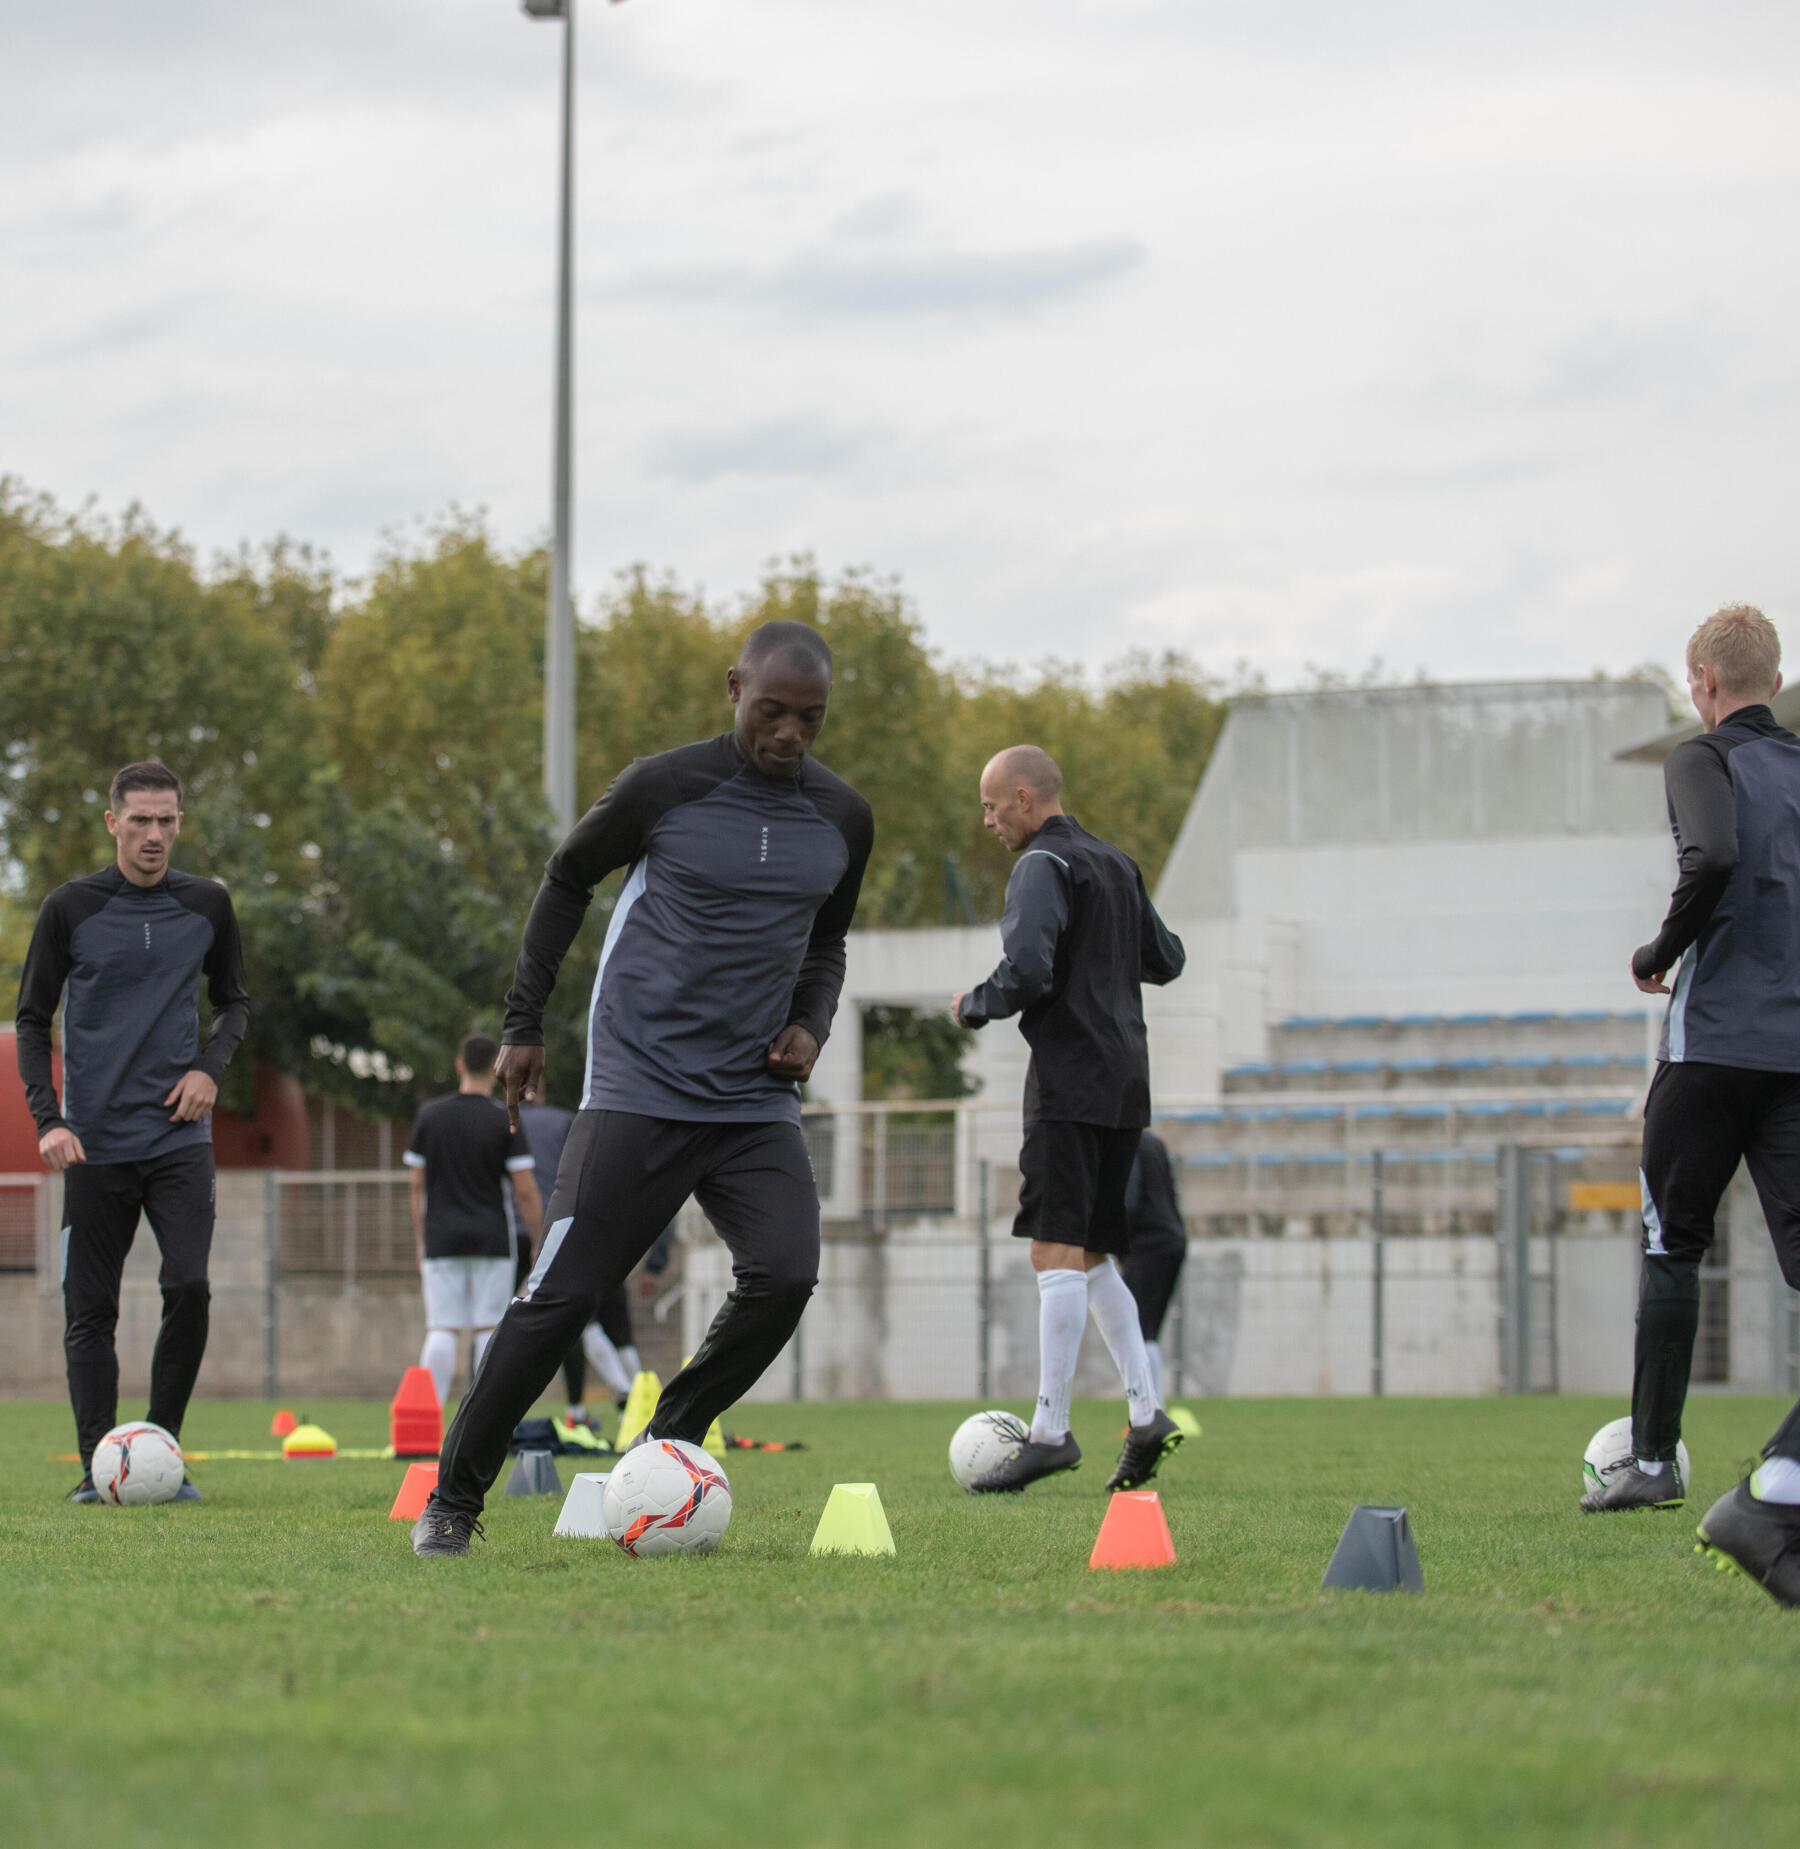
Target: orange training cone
x=1134 y=1533
x=283 y=1423
x=415 y=1491
x=415 y=1420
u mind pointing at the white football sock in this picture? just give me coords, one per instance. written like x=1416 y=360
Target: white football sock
x=575 y=1410
x=1777 y=1479
x=628 y=1356
x=482 y=1338
x=604 y=1359
x=1154 y=1351
x=1115 y=1310
x=1062 y=1317
x=439 y=1355
x=1650 y=1466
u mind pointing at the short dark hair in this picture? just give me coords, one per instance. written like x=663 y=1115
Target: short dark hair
x=797 y=641
x=146 y=776
x=478 y=1053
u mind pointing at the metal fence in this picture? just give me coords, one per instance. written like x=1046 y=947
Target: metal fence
x=1354 y=1269
x=26 y=1236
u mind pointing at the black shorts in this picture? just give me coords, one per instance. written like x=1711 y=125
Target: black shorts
x=1072 y=1186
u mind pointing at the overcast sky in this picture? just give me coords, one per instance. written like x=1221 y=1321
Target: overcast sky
x=1463 y=336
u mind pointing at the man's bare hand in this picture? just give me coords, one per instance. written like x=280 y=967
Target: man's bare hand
x=60 y=1149
x=193 y=1098
x=520 y=1070
x=792 y=1055
x=956 y=1002
x=1651 y=985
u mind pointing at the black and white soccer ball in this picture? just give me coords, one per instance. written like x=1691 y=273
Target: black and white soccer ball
x=1609 y=1451
x=983 y=1442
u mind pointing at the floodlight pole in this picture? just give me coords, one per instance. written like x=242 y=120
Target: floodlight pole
x=559 y=639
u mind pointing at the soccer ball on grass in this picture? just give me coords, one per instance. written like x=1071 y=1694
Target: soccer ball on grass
x=1609 y=1451
x=137 y=1463
x=666 y=1497
x=984 y=1441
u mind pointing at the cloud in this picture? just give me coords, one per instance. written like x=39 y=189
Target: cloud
x=786 y=446
x=115 y=334
x=882 y=216
x=822 y=285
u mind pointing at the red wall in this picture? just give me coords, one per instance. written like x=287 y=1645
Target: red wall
x=274 y=1137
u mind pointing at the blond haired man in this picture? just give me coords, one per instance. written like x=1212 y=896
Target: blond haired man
x=1727 y=1084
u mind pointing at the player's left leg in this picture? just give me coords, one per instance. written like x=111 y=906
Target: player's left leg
x=1696 y=1122
x=1757 y=1525
x=758 y=1190
x=179 y=1191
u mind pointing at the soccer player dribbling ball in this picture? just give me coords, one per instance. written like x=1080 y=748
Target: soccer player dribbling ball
x=723 y=963
x=123 y=950
x=1080 y=938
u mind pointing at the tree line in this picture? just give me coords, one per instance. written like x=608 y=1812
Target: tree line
x=363 y=760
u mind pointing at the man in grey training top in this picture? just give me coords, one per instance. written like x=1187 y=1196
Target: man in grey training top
x=1080 y=938
x=123 y=951
x=723 y=963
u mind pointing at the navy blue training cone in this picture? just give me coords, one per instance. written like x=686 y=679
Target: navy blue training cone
x=1375 y=1553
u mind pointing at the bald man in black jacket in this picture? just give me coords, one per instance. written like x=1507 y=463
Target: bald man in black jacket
x=1080 y=938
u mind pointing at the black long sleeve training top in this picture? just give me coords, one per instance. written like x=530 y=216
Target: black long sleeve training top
x=1080 y=938
x=730 y=928
x=125 y=961
x=1733 y=924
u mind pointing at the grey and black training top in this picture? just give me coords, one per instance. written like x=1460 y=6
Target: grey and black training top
x=730 y=927
x=125 y=961
x=1080 y=938
x=1734 y=921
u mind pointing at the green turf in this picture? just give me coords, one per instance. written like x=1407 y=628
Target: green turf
x=274 y=1667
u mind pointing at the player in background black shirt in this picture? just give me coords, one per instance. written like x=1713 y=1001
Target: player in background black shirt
x=461 y=1152
x=1080 y=938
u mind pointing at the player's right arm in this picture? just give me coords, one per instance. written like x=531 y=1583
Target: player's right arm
x=613 y=834
x=1703 y=810
x=47 y=965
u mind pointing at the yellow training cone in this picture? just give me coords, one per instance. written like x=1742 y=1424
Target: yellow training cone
x=308 y=1441
x=854 y=1522
x=640 y=1408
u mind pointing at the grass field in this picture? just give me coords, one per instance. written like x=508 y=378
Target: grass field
x=274 y=1667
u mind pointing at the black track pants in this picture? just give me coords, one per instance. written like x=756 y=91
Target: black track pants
x=101 y=1205
x=621 y=1181
x=1700 y=1121
x=1153 y=1268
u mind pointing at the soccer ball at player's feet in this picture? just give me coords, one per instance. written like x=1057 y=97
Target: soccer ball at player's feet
x=1612 y=1481
x=984 y=1441
x=137 y=1463
x=665 y=1496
